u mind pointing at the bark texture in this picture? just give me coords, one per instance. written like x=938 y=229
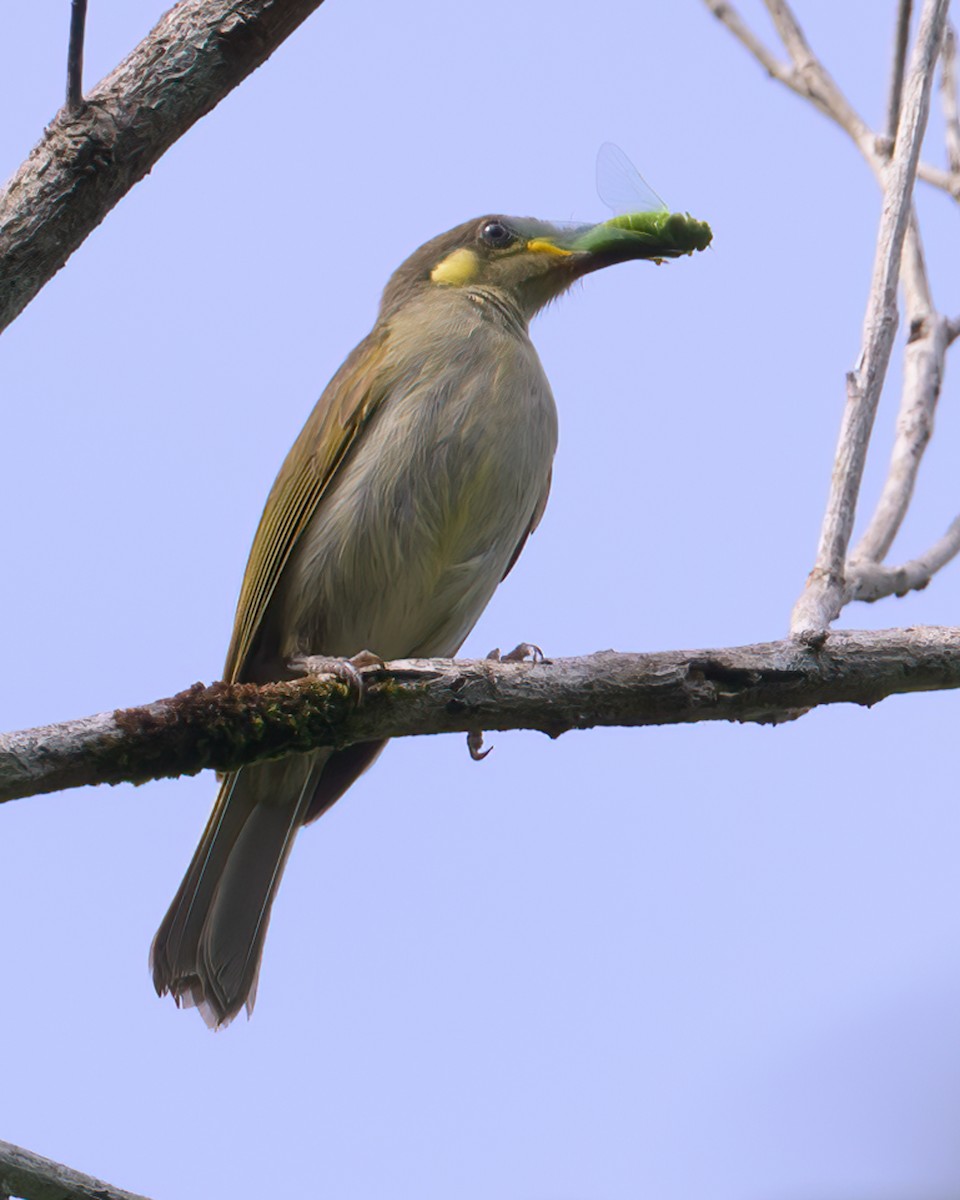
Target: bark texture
x=89 y=158
x=34 y=1178
x=225 y=726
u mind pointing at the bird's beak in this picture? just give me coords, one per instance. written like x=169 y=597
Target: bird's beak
x=652 y=235
x=555 y=256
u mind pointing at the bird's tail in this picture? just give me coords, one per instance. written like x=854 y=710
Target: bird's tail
x=207 y=949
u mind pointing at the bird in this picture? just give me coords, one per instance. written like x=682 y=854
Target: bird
x=405 y=500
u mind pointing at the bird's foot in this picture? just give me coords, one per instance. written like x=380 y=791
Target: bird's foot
x=346 y=670
x=525 y=650
x=519 y=653
x=475 y=745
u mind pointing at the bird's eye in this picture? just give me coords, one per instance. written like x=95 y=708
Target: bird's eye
x=495 y=233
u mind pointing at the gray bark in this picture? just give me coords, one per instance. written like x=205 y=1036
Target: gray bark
x=89 y=158
x=34 y=1178
x=225 y=726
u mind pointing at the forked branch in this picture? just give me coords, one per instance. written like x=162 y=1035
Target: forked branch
x=838 y=575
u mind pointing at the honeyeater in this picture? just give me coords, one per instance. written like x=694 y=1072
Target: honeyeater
x=406 y=498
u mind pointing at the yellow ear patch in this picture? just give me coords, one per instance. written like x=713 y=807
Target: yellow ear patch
x=458 y=268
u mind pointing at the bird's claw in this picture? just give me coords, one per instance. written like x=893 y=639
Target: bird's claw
x=523 y=651
x=346 y=670
x=475 y=745
x=519 y=653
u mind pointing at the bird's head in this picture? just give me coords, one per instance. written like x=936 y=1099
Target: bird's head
x=530 y=262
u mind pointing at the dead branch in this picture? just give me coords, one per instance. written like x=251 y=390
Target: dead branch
x=900 y=43
x=806 y=81
x=840 y=575
x=827 y=588
x=948 y=98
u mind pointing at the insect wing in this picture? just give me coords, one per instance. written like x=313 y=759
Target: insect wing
x=621 y=186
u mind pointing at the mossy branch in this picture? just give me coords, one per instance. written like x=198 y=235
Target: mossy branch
x=224 y=726
x=31 y=1177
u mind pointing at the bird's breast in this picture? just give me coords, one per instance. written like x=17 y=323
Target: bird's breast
x=423 y=517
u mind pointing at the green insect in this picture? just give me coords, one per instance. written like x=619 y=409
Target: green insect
x=640 y=211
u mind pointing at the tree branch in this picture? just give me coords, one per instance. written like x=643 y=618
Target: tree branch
x=226 y=726
x=863 y=576
x=817 y=83
x=826 y=591
x=34 y=1178
x=924 y=363
x=874 y=580
x=901 y=39
x=948 y=97
x=807 y=86
x=88 y=159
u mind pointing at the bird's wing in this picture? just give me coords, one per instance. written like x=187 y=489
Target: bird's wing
x=534 y=522
x=350 y=400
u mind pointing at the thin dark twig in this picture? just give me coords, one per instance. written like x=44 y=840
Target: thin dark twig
x=78 y=21
x=899 y=66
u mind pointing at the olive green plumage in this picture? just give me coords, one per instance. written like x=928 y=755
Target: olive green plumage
x=404 y=501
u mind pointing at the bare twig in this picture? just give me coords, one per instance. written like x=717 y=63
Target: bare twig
x=948 y=97
x=900 y=41
x=87 y=160
x=948 y=181
x=826 y=590
x=874 y=581
x=78 y=20
x=227 y=726
x=923 y=367
x=817 y=81
x=31 y=1177
x=834 y=582
x=728 y=15
x=929 y=335
x=872 y=146
x=804 y=75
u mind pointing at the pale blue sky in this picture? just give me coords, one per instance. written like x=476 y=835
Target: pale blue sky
x=675 y=963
